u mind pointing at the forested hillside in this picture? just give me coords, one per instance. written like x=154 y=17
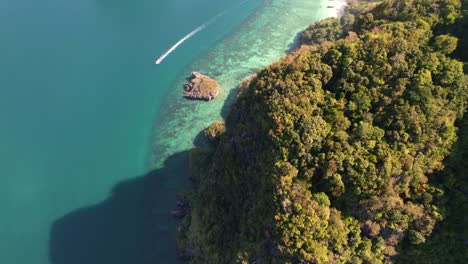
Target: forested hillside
x=345 y=151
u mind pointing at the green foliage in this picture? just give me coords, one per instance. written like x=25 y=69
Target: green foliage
x=214 y=132
x=448 y=243
x=335 y=153
x=445 y=44
x=435 y=12
x=328 y=29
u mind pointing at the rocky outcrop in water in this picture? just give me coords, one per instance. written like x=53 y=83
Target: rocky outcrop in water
x=201 y=87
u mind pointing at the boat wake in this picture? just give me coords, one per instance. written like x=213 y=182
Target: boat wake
x=191 y=34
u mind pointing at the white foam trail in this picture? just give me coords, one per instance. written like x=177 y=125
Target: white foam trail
x=195 y=31
x=189 y=35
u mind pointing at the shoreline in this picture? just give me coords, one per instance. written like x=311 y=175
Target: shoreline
x=155 y=154
x=338 y=8
x=246 y=49
x=243 y=51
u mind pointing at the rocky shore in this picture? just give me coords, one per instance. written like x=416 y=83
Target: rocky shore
x=201 y=87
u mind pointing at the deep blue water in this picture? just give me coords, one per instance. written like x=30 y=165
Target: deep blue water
x=79 y=94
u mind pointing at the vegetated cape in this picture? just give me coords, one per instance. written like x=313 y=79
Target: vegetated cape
x=335 y=153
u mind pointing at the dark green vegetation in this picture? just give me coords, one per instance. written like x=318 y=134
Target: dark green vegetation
x=338 y=152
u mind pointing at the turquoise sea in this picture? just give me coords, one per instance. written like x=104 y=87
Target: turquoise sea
x=94 y=136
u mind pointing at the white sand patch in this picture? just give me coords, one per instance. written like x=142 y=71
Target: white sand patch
x=335 y=8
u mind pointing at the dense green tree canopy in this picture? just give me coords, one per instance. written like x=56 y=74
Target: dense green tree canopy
x=334 y=154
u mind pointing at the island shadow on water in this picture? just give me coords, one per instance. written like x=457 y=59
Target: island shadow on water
x=132 y=226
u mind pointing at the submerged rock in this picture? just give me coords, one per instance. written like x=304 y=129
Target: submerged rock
x=201 y=87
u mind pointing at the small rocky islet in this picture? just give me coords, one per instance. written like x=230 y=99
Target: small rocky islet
x=201 y=87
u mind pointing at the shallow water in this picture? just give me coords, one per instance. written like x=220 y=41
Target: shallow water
x=95 y=136
x=262 y=39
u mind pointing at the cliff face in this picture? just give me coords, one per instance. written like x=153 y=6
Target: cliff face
x=334 y=153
